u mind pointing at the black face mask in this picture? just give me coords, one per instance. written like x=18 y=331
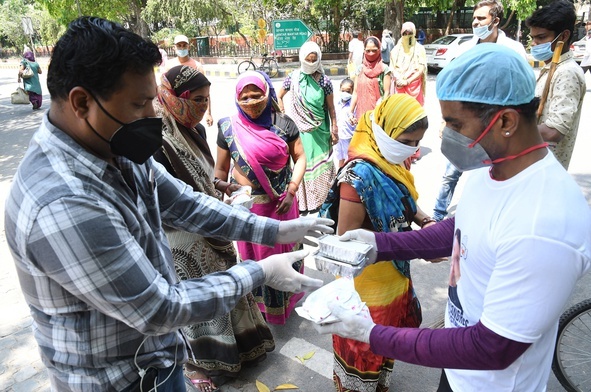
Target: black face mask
x=137 y=140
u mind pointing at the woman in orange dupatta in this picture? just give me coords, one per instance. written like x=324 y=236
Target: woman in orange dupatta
x=374 y=191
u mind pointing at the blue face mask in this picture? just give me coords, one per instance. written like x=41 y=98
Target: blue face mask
x=345 y=96
x=182 y=52
x=482 y=32
x=543 y=52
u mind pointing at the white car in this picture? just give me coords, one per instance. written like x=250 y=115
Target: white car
x=579 y=50
x=444 y=49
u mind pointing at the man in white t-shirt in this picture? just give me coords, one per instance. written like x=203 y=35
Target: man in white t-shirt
x=485 y=26
x=520 y=239
x=356 y=50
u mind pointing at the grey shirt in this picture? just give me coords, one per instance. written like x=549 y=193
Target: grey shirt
x=95 y=266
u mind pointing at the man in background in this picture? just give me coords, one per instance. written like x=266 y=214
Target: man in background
x=387 y=46
x=559 y=122
x=355 y=53
x=421 y=36
x=485 y=26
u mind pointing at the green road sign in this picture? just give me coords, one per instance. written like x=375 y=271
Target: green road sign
x=290 y=33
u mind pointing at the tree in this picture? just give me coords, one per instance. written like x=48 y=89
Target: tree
x=126 y=12
x=11 y=28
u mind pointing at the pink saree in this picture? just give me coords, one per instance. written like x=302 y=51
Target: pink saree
x=265 y=156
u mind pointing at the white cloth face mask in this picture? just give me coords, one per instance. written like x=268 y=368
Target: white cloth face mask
x=394 y=151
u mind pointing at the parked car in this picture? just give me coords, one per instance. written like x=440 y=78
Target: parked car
x=579 y=49
x=444 y=49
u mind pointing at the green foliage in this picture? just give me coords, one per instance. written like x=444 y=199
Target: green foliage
x=64 y=11
x=46 y=29
x=523 y=8
x=11 y=28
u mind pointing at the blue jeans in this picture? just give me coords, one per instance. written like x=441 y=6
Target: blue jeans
x=446 y=192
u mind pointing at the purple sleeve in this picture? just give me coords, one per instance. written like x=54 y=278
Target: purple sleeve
x=429 y=243
x=287 y=83
x=473 y=348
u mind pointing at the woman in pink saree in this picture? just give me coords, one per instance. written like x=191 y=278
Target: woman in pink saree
x=261 y=143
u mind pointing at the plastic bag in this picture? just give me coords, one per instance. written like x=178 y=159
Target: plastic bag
x=351 y=70
x=20 y=96
x=27 y=72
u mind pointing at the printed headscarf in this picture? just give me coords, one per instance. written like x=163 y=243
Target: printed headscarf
x=394 y=115
x=255 y=78
x=305 y=50
x=174 y=90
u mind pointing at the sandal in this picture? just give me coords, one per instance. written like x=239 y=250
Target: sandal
x=204 y=385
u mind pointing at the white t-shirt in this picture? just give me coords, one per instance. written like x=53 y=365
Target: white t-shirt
x=520 y=247
x=356 y=47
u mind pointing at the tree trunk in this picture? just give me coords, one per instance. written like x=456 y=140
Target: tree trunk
x=136 y=22
x=456 y=5
x=335 y=30
x=450 y=20
x=393 y=17
x=503 y=27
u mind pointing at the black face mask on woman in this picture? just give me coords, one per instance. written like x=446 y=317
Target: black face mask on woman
x=137 y=140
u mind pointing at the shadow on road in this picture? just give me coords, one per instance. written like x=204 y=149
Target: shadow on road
x=19 y=122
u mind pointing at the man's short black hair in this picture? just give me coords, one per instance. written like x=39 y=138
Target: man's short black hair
x=557 y=17
x=94 y=53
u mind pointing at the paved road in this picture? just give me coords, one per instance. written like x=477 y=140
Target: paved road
x=21 y=369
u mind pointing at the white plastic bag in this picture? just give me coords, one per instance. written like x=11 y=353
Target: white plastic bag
x=341 y=291
x=20 y=96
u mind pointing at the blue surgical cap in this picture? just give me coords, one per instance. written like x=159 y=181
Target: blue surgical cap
x=488 y=73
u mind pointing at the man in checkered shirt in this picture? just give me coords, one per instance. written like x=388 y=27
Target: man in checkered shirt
x=84 y=223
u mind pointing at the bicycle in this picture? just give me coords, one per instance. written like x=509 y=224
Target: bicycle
x=268 y=65
x=571 y=363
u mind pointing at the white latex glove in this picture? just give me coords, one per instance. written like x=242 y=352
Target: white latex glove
x=296 y=229
x=351 y=325
x=280 y=275
x=363 y=236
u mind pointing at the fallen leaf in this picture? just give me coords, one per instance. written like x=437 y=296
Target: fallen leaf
x=284 y=387
x=301 y=359
x=262 y=387
x=309 y=355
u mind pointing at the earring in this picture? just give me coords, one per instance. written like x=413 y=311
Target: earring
x=507 y=133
